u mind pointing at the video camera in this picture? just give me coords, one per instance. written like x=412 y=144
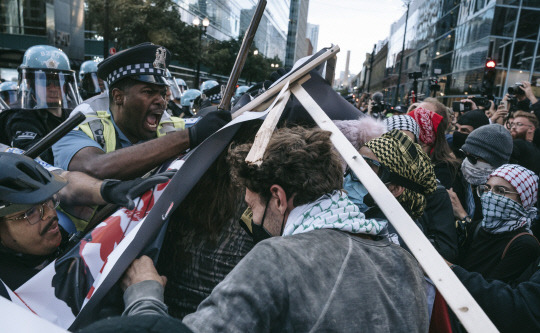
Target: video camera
x=516 y=89
x=482 y=101
x=461 y=106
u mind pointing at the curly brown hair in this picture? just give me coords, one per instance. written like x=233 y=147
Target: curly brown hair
x=302 y=161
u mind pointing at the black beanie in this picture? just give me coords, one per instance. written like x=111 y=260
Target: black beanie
x=474 y=118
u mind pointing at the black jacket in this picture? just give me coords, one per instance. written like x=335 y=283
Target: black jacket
x=511 y=309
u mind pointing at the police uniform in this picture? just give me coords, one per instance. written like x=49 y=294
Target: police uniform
x=146 y=63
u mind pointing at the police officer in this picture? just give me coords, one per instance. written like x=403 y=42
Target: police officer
x=8 y=93
x=90 y=83
x=47 y=94
x=32 y=232
x=128 y=140
x=173 y=95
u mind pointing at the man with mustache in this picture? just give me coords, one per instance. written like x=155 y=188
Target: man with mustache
x=127 y=138
x=30 y=233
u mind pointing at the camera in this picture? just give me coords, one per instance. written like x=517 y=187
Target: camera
x=516 y=89
x=461 y=107
x=482 y=102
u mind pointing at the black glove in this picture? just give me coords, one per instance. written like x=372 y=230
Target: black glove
x=122 y=192
x=209 y=124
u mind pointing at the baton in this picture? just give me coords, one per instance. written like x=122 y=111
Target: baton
x=225 y=103
x=56 y=134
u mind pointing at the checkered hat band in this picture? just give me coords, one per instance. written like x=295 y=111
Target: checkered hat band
x=524 y=181
x=403 y=123
x=135 y=69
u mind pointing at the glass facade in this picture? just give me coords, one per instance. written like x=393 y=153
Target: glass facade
x=23 y=17
x=230 y=19
x=451 y=40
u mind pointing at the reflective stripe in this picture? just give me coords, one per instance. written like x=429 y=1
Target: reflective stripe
x=169 y=125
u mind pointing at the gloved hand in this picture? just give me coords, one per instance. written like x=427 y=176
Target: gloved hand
x=209 y=124
x=122 y=192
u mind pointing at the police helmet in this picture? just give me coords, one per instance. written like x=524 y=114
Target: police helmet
x=175 y=90
x=8 y=93
x=24 y=183
x=207 y=85
x=46 y=79
x=90 y=84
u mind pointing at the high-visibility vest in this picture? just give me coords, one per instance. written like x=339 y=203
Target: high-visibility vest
x=100 y=128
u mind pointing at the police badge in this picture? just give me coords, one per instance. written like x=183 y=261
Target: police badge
x=161 y=54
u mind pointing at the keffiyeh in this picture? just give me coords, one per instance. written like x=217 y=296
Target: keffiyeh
x=428 y=121
x=403 y=123
x=524 y=181
x=332 y=211
x=397 y=152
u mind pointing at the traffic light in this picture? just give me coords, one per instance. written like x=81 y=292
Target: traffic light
x=488 y=82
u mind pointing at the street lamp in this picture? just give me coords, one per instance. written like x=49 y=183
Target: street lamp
x=255 y=52
x=202 y=31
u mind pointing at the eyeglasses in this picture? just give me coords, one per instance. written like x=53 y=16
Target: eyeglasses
x=36 y=213
x=518 y=124
x=497 y=189
x=380 y=169
x=473 y=159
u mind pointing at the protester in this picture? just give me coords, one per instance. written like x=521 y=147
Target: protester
x=465 y=124
x=405 y=124
x=296 y=192
x=524 y=126
x=30 y=234
x=485 y=149
x=123 y=144
x=503 y=247
x=47 y=94
x=204 y=240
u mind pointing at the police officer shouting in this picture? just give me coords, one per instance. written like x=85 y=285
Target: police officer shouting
x=128 y=140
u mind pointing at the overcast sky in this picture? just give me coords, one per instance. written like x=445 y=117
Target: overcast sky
x=353 y=25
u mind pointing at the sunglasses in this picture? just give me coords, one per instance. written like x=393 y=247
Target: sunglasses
x=473 y=159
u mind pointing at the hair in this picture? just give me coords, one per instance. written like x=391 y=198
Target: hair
x=442 y=153
x=530 y=116
x=123 y=85
x=302 y=161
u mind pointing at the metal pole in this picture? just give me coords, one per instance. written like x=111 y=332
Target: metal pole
x=371 y=66
x=512 y=49
x=197 y=78
x=534 y=55
x=402 y=54
x=106 y=31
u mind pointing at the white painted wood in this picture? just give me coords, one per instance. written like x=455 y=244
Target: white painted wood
x=14 y=318
x=456 y=295
x=256 y=153
x=252 y=106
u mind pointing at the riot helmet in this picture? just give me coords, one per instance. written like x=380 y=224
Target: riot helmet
x=182 y=85
x=175 y=90
x=8 y=93
x=90 y=84
x=24 y=183
x=46 y=80
x=207 y=85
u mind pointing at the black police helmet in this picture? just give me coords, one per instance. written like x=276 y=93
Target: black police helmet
x=24 y=183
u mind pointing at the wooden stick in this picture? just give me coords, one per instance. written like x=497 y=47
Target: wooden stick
x=456 y=295
x=256 y=153
x=252 y=106
x=330 y=70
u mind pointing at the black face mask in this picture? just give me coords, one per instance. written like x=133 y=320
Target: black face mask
x=258 y=232
x=458 y=140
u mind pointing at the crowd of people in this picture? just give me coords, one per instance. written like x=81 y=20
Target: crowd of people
x=296 y=243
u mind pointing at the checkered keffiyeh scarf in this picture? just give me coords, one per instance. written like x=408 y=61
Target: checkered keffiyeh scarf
x=428 y=121
x=404 y=123
x=332 y=211
x=398 y=153
x=524 y=181
x=502 y=214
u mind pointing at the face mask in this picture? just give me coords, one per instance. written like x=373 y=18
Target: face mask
x=458 y=140
x=502 y=214
x=476 y=174
x=358 y=194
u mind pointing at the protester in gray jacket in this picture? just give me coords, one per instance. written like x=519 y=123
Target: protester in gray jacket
x=331 y=271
